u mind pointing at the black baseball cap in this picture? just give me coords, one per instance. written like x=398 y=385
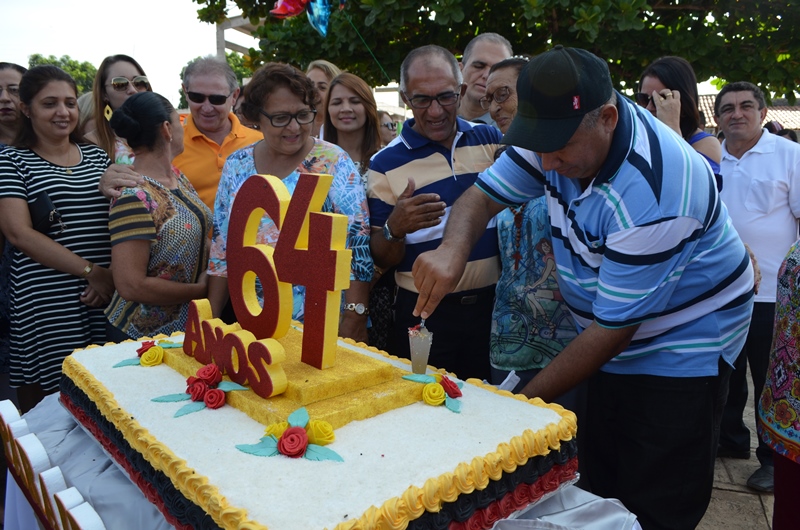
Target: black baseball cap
x=555 y=90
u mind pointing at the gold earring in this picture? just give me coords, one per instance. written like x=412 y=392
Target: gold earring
x=108 y=112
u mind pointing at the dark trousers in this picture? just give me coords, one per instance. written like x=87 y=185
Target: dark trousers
x=734 y=434
x=787 y=491
x=461 y=326
x=651 y=443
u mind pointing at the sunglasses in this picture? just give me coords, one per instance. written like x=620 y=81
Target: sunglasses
x=643 y=99
x=214 y=99
x=140 y=83
x=391 y=126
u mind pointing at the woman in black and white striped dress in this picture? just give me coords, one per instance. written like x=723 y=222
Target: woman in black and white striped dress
x=59 y=281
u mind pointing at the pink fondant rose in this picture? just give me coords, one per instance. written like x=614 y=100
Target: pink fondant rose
x=210 y=374
x=146 y=345
x=214 y=398
x=293 y=442
x=197 y=389
x=450 y=387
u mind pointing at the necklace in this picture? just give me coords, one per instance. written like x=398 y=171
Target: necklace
x=518 y=215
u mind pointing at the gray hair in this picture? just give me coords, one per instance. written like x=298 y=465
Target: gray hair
x=426 y=52
x=210 y=66
x=591 y=118
x=494 y=38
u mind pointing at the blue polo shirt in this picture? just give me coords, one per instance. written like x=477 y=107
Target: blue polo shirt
x=648 y=242
x=436 y=169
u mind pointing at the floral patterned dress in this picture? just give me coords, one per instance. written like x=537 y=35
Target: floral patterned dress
x=346 y=196
x=177 y=223
x=779 y=408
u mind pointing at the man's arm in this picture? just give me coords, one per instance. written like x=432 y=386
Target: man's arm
x=582 y=357
x=437 y=272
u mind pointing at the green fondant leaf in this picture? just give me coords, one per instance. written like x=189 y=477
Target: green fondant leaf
x=319 y=453
x=298 y=418
x=169 y=344
x=227 y=386
x=128 y=362
x=171 y=398
x=460 y=384
x=420 y=378
x=267 y=447
x=452 y=404
x=194 y=406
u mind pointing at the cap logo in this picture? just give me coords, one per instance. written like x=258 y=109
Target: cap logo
x=576 y=102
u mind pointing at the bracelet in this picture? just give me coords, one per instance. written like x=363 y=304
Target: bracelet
x=87 y=270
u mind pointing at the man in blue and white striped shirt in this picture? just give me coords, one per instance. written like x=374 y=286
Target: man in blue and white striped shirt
x=650 y=266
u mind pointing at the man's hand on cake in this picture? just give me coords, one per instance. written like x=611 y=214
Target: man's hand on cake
x=116 y=177
x=415 y=212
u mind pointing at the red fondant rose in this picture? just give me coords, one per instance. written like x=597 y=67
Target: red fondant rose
x=191 y=379
x=210 y=374
x=146 y=345
x=214 y=398
x=197 y=390
x=450 y=387
x=293 y=442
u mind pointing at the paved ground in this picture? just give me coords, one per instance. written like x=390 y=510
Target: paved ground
x=734 y=506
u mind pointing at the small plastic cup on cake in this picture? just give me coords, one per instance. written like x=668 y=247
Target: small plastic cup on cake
x=419 y=341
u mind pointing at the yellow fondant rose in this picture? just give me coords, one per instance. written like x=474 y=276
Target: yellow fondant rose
x=152 y=357
x=276 y=429
x=320 y=432
x=433 y=394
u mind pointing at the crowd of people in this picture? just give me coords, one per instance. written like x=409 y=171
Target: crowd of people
x=610 y=253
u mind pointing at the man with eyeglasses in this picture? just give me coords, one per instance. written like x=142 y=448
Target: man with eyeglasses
x=481 y=53
x=657 y=280
x=213 y=131
x=411 y=185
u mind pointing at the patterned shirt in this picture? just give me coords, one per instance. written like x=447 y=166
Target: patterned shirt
x=346 y=197
x=648 y=242
x=779 y=407
x=530 y=322
x=446 y=172
x=176 y=222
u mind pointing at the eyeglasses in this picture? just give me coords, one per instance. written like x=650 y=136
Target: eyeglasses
x=499 y=96
x=392 y=126
x=643 y=99
x=214 y=99
x=12 y=90
x=282 y=120
x=445 y=99
x=120 y=84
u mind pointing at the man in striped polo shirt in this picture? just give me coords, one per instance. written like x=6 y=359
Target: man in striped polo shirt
x=650 y=266
x=412 y=184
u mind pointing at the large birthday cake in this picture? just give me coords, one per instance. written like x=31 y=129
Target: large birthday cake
x=223 y=428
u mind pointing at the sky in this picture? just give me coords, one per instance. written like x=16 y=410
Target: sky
x=162 y=35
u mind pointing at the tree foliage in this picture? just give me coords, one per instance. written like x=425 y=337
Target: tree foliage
x=82 y=72
x=235 y=60
x=731 y=40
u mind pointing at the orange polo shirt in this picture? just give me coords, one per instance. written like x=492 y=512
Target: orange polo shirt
x=202 y=158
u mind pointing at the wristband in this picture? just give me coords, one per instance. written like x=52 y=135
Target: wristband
x=87 y=270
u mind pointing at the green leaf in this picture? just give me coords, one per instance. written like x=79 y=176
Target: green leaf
x=452 y=404
x=169 y=344
x=194 y=406
x=420 y=378
x=128 y=362
x=227 y=386
x=318 y=453
x=298 y=418
x=268 y=446
x=172 y=398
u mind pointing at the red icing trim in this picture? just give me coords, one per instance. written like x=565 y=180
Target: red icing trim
x=148 y=490
x=519 y=498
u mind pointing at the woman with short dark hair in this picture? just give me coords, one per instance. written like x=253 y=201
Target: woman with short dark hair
x=159 y=229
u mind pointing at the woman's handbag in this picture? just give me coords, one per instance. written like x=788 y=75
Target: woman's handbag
x=44 y=214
